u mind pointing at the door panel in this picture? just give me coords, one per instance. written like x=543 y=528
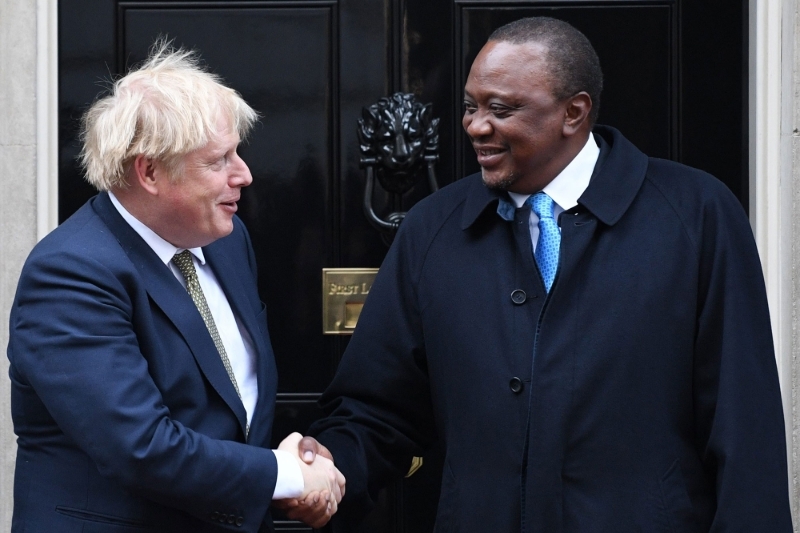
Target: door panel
x=674 y=84
x=291 y=152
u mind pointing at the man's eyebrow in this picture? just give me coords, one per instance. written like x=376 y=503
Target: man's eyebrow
x=216 y=154
x=493 y=93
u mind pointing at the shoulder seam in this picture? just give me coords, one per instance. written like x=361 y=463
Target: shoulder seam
x=678 y=215
x=429 y=244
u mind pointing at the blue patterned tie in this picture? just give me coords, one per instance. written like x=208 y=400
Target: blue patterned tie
x=549 y=242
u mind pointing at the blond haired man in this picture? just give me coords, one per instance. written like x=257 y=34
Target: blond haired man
x=143 y=380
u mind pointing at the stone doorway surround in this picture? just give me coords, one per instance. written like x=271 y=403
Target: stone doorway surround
x=28 y=174
x=774 y=140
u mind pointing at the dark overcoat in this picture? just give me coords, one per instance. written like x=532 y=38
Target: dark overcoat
x=126 y=418
x=640 y=395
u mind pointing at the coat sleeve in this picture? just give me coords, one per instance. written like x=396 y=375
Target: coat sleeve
x=738 y=414
x=74 y=356
x=378 y=405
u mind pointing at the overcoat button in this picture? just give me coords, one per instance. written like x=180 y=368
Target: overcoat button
x=515 y=385
x=239 y=521
x=518 y=297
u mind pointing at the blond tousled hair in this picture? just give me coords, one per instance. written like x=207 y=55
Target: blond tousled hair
x=163 y=109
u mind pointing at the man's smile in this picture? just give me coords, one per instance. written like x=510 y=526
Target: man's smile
x=489 y=155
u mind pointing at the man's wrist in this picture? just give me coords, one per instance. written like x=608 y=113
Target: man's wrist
x=290 y=482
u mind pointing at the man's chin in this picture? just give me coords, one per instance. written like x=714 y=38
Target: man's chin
x=497 y=181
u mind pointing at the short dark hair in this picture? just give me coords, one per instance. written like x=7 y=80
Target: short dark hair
x=571 y=60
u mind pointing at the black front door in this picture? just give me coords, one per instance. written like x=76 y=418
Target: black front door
x=675 y=85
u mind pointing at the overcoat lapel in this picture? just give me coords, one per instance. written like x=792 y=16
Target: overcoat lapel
x=170 y=296
x=615 y=182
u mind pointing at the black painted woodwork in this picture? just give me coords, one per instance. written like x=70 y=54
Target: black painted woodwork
x=675 y=84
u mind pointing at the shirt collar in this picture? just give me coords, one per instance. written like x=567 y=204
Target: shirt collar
x=614 y=183
x=569 y=185
x=163 y=249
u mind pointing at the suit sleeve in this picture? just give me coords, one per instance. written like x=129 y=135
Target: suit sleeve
x=737 y=398
x=378 y=405
x=74 y=344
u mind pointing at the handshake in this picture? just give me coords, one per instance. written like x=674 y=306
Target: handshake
x=323 y=483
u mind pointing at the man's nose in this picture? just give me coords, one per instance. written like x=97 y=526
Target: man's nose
x=477 y=125
x=240 y=175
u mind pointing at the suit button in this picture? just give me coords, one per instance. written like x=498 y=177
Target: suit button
x=515 y=385
x=222 y=517
x=231 y=519
x=214 y=516
x=239 y=521
x=518 y=297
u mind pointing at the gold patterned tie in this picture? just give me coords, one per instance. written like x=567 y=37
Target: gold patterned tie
x=183 y=260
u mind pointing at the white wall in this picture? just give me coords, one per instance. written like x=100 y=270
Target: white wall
x=790 y=155
x=18 y=228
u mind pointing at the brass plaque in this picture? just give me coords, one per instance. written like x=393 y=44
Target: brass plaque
x=344 y=291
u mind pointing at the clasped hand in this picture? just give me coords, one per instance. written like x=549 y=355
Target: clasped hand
x=323 y=483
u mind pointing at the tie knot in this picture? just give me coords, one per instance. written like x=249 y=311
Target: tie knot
x=183 y=260
x=542 y=205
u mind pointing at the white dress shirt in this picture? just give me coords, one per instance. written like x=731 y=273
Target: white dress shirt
x=566 y=188
x=235 y=338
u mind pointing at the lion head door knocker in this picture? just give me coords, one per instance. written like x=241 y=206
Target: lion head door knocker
x=399 y=140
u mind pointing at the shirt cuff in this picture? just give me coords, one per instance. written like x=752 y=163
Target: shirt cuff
x=290 y=478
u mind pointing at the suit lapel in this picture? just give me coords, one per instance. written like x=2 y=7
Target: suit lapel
x=238 y=297
x=170 y=296
x=244 y=302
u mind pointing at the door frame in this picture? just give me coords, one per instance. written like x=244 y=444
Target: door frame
x=771 y=104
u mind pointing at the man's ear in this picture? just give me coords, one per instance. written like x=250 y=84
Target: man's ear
x=147 y=173
x=577 y=113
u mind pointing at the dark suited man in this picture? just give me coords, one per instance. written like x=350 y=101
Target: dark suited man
x=584 y=328
x=143 y=380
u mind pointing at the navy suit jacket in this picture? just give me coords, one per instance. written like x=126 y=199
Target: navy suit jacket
x=126 y=418
x=639 y=396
